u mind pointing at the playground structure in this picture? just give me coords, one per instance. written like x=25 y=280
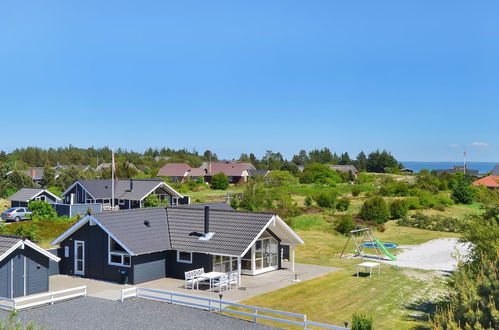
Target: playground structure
x=367 y=237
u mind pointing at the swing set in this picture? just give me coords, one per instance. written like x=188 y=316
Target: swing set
x=367 y=237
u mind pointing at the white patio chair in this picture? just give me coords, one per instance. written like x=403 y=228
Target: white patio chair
x=233 y=279
x=192 y=278
x=222 y=282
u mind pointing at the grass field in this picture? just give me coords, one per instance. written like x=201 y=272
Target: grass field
x=391 y=299
x=46 y=231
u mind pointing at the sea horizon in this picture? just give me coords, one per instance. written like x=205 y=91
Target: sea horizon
x=482 y=167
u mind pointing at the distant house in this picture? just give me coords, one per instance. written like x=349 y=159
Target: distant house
x=82 y=168
x=460 y=169
x=491 y=181
x=495 y=171
x=25 y=195
x=24 y=267
x=128 y=194
x=104 y=166
x=238 y=172
x=153 y=243
x=35 y=173
x=344 y=168
x=407 y=170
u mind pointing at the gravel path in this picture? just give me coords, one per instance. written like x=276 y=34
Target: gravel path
x=438 y=254
x=95 y=313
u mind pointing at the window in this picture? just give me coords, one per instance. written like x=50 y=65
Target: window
x=224 y=264
x=41 y=198
x=117 y=254
x=184 y=257
x=89 y=201
x=121 y=202
x=106 y=201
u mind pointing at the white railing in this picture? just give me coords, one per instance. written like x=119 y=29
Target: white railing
x=42 y=298
x=209 y=304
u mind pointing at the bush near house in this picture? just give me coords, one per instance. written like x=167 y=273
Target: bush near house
x=220 y=181
x=345 y=224
x=281 y=178
x=362 y=322
x=42 y=211
x=375 y=209
x=153 y=201
x=462 y=192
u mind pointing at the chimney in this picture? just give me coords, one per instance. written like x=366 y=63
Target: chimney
x=32 y=173
x=131 y=184
x=209 y=167
x=206 y=220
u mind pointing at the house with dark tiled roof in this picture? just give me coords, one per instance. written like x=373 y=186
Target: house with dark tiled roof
x=237 y=172
x=152 y=243
x=491 y=181
x=25 y=195
x=460 y=169
x=344 y=168
x=495 y=170
x=128 y=193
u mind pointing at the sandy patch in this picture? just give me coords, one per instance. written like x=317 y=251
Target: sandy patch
x=439 y=254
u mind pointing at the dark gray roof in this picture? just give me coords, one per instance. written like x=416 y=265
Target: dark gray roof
x=212 y=205
x=343 y=168
x=135 y=189
x=129 y=228
x=495 y=171
x=25 y=194
x=234 y=230
x=8 y=241
x=179 y=228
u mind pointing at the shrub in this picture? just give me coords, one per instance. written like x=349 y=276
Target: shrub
x=325 y=198
x=431 y=222
x=426 y=198
x=235 y=203
x=281 y=178
x=153 y=201
x=343 y=204
x=345 y=224
x=28 y=230
x=362 y=322
x=412 y=203
x=220 y=181
x=42 y=211
x=308 y=201
x=356 y=191
x=375 y=209
x=444 y=200
x=461 y=190
x=398 y=209
x=320 y=174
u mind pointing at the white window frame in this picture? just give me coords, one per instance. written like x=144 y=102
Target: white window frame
x=108 y=201
x=184 y=261
x=116 y=253
x=121 y=202
x=41 y=198
x=89 y=201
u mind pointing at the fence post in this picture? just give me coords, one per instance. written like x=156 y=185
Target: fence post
x=255 y=318
x=15 y=305
x=171 y=298
x=52 y=299
x=209 y=305
x=85 y=291
x=304 y=321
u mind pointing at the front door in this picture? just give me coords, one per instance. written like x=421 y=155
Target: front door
x=18 y=276
x=79 y=258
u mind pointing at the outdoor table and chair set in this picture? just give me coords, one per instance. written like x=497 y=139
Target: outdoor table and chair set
x=214 y=280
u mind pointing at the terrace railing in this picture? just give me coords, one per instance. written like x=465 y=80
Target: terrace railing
x=252 y=312
x=42 y=298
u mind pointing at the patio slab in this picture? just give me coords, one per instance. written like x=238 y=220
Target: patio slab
x=250 y=285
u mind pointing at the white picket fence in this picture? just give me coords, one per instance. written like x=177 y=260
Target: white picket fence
x=255 y=313
x=42 y=298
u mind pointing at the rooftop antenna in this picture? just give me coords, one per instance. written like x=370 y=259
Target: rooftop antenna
x=112 y=179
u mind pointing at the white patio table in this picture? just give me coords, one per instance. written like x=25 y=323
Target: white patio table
x=211 y=276
x=370 y=266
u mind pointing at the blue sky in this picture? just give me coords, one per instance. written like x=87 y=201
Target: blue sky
x=418 y=78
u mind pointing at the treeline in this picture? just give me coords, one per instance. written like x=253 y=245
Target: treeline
x=153 y=158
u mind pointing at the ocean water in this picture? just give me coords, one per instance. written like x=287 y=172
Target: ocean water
x=483 y=167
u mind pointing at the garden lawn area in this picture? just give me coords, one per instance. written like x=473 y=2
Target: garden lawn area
x=46 y=231
x=389 y=298
x=209 y=195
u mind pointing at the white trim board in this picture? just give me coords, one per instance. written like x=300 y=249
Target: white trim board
x=80 y=224
x=73 y=185
x=160 y=184
x=32 y=245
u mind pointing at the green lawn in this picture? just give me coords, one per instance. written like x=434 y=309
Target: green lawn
x=334 y=297
x=46 y=231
